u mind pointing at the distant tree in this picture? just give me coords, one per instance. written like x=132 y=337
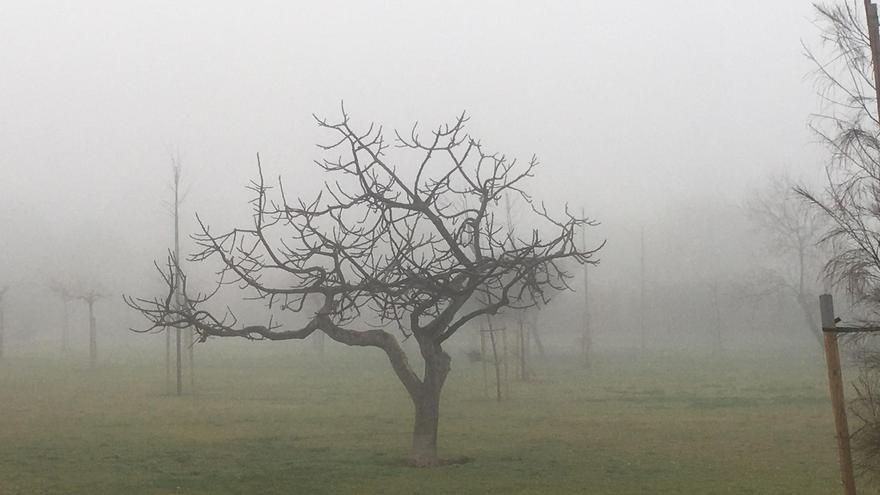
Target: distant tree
x=385 y=245
x=65 y=293
x=792 y=230
x=90 y=297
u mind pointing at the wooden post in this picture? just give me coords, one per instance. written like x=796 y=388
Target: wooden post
x=587 y=337
x=2 y=321
x=484 y=362
x=168 y=360
x=2 y=328
x=495 y=359
x=178 y=287
x=523 y=349
x=835 y=384
x=65 y=330
x=504 y=360
x=874 y=38
x=642 y=293
x=93 y=335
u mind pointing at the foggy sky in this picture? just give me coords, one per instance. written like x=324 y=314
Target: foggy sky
x=632 y=107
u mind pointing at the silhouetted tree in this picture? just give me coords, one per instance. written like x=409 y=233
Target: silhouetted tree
x=792 y=230
x=848 y=74
x=90 y=297
x=386 y=244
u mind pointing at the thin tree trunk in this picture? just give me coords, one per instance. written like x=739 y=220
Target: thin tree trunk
x=484 y=361
x=536 y=335
x=2 y=331
x=65 y=330
x=168 y=360
x=179 y=364
x=495 y=362
x=505 y=359
x=93 y=337
x=587 y=336
x=523 y=350
x=642 y=296
x=192 y=358
x=719 y=342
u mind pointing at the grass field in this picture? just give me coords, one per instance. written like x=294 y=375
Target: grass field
x=662 y=424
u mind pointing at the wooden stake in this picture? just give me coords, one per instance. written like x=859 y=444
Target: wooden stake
x=642 y=292
x=835 y=384
x=587 y=337
x=484 y=362
x=504 y=361
x=874 y=38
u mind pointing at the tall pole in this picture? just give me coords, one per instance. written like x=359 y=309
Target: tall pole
x=874 y=38
x=65 y=330
x=2 y=325
x=93 y=334
x=642 y=291
x=835 y=385
x=520 y=315
x=587 y=337
x=177 y=284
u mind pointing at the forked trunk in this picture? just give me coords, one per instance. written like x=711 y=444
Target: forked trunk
x=93 y=337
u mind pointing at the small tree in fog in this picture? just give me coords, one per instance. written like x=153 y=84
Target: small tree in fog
x=90 y=297
x=851 y=199
x=792 y=231
x=387 y=244
x=63 y=292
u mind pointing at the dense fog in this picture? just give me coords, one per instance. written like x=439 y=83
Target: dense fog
x=663 y=117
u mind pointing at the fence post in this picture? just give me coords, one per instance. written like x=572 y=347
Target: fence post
x=835 y=384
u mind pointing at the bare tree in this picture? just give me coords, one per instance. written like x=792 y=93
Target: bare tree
x=90 y=297
x=792 y=231
x=849 y=75
x=384 y=245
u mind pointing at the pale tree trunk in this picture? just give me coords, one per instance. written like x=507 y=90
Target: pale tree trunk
x=93 y=336
x=716 y=312
x=536 y=335
x=168 y=360
x=65 y=330
x=2 y=331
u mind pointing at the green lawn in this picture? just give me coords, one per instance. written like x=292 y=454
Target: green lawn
x=278 y=423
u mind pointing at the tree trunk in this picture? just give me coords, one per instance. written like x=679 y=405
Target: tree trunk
x=192 y=358
x=168 y=360
x=427 y=419
x=93 y=337
x=426 y=399
x=65 y=330
x=536 y=335
x=2 y=331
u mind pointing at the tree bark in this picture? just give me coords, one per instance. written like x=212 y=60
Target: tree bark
x=426 y=400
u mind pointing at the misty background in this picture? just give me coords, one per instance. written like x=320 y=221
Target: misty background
x=666 y=117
